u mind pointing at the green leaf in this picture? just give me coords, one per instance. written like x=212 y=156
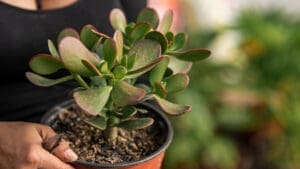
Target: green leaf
x=118 y=37
x=146 y=52
x=124 y=61
x=157 y=73
x=142 y=111
x=100 y=34
x=131 y=61
x=72 y=52
x=138 y=72
x=97 y=45
x=166 y=22
x=109 y=52
x=98 y=122
x=129 y=28
x=160 y=38
x=179 y=66
x=91 y=67
x=98 y=81
x=192 y=55
x=135 y=124
x=160 y=90
x=52 y=49
x=70 y=94
x=113 y=120
x=104 y=67
x=45 y=82
x=66 y=33
x=171 y=108
x=147 y=88
x=117 y=19
x=99 y=51
x=148 y=15
x=139 y=31
x=179 y=41
x=124 y=94
x=87 y=37
x=45 y=64
x=177 y=83
x=119 y=72
x=168 y=73
x=170 y=37
x=128 y=112
x=92 y=100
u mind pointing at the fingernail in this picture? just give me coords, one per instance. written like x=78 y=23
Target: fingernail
x=70 y=155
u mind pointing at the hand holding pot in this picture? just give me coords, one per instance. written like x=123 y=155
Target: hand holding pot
x=21 y=147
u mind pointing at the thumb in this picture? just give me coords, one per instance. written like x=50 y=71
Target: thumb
x=64 y=152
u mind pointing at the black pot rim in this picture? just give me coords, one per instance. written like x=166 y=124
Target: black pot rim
x=50 y=115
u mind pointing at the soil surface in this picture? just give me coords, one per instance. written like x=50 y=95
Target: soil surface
x=89 y=143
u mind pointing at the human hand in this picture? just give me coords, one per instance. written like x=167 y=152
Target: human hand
x=21 y=147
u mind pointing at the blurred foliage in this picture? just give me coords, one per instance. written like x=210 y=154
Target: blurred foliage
x=245 y=115
x=271 y=41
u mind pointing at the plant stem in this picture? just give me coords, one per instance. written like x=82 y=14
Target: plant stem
x=126 y=47
x=111 y=134
x=110 y=105
x=79 y=79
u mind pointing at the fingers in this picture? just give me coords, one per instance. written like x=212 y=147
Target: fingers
x=64 y=152
x=44 y=131
x=54 y=144
x=49 y=161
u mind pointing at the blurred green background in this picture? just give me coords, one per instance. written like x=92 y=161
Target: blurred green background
x=246 y=97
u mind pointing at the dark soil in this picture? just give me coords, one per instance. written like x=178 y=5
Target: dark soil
x=90 y=145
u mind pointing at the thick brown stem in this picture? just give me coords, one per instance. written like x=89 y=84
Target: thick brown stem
x=111 y=135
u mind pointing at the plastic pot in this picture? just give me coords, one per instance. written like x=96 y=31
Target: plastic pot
x=152 y=161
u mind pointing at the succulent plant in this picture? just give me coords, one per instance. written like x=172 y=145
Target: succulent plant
x=107 y=68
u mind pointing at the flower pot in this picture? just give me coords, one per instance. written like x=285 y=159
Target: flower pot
x=152 y=161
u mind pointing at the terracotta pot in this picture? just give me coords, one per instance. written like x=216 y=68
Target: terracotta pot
x=153 y=161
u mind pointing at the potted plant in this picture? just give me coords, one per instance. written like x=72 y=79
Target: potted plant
x=114 y=119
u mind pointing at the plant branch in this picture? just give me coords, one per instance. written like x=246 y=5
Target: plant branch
x=79 y=79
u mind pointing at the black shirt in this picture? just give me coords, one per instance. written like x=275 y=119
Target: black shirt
x=24 y=33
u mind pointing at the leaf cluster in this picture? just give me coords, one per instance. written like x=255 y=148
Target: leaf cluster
x=107 y=68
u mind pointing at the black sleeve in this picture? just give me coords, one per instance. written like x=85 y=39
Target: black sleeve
x=132 y=8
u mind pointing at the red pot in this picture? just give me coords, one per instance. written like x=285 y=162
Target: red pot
x=153 y=161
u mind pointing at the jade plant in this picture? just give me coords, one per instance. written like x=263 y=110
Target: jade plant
x=107 y=68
